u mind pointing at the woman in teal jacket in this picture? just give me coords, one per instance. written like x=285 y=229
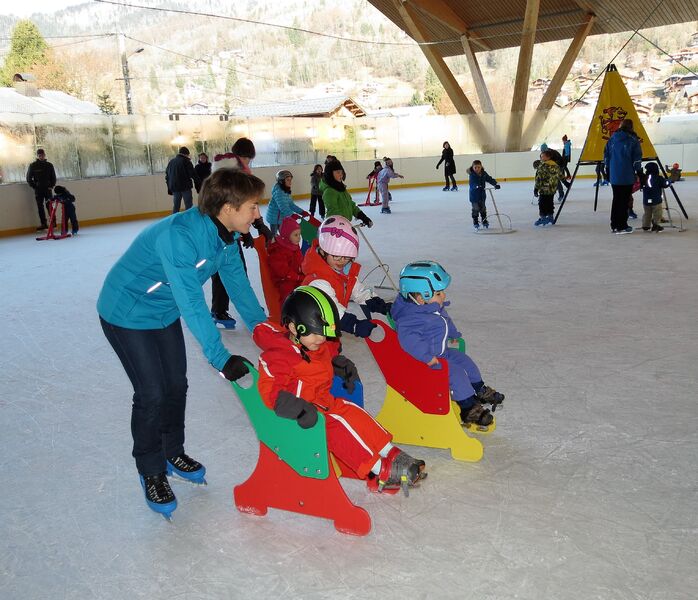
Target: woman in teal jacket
x=281 y=204
x=158 y=280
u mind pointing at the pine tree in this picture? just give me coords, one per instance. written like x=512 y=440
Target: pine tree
x=416 y=99
x=433 y=90
x=27 y=48
x=231 y=83
x=106 y=104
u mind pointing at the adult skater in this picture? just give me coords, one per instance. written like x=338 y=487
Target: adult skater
x=449 y=167
x=157 y=281
x=623 y=158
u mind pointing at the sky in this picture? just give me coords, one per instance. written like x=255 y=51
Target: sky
x=28 y=7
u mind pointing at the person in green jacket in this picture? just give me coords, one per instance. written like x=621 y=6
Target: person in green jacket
x=157 y=281
x=336 y=197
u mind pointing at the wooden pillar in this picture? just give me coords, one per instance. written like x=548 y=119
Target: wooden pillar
x=523 y=73
x=475 y=72
x=558 y=80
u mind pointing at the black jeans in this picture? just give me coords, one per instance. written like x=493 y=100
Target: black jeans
x=220 y=302
x=155 y=361
x=478 y=209
x=317 y=198
x=546 y=206
x=453 y=180
x=42 y=196
x=71 y=215
x=622 y=195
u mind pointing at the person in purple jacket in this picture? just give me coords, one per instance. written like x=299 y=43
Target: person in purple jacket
x=424 y=329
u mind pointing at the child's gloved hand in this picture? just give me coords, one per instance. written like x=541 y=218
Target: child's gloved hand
x=289 y=406
x=235 y=368
x=346 y=369
x=363 y=328
x=378 y=305
x=497 y=187
x=364 y=219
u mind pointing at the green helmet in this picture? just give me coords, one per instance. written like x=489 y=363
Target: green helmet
x=312 y=311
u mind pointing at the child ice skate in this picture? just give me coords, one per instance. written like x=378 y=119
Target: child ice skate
x=548 y=176
x=298 y=362
x=652 y=198
x=329 y=264
x=337 y=199
x=68 y=200
x=315 y=193
x=285 y=258
x=383 y=179
x=423 y=328
x=478 y=178
x=281 y=204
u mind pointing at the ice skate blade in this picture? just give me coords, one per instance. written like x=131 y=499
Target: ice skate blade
x=199 y=479
x=222 y=325
x=481 y=429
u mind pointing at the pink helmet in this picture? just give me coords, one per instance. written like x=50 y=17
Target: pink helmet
x=336 y=236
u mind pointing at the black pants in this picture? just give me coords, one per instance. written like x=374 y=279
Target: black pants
x=546 y=206
x=622 y=195
x=478 y=209
x=453 y=180
x=42 y=196
x=71 y=215
x=220 y=302
x=321 y=205
x=155 y=361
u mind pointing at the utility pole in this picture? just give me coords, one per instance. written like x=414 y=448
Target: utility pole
x=125 y=71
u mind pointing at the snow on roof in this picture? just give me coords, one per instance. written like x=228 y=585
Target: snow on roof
x=309 y=107
x=48 y=101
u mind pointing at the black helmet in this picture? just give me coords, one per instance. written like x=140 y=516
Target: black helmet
x=312 y=311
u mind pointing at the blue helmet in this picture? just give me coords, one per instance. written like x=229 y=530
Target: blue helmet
x=423 y=277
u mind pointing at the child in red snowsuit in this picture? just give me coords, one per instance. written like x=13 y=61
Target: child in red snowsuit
x=296 y=368
x=285 y=258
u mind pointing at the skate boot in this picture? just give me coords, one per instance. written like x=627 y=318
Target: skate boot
x=657 y=228
x=400 y=470
x=386 y=211
x=549 y=220
x=478 y=416
x=632 y=214
x=488 y=395
x=541 y=222
x=446 y=189
x=476 y=226
x=485 y=224
x=159 y=495
x=224 y=320
x=454 y=188
x=187 y=468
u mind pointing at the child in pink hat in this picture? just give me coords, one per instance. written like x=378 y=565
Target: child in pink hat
x=285 y=258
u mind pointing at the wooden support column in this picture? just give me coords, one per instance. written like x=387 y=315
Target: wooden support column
x=475 y=72
x=558 y=80
x=523 y=74
x=455 y=92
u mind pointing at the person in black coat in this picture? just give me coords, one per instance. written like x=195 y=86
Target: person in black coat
x=179 y=176
x=449 y=167
x=202 y=170
x=41 y=177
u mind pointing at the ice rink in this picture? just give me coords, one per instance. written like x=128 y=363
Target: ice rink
x=587 y=489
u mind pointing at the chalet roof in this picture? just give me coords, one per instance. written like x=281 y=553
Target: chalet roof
x=310 y=107
x=495 y=25
x=46 y=101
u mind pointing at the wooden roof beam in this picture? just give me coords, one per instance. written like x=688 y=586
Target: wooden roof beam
x=483 y=93
x=443 y=13
x=523 y=74
x=558 y=80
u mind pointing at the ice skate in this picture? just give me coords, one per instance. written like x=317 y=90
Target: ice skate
x=540 y=222
x=485 y=224
x=454 y=188
x=400 y=470
x=187 y=468
x=476 y=226
x=224 y=320
x=657 y=228
x=477 y=416
x=549 y=220
x=488 y=395
x=386 y=211
x=159 y=495
x=632 y=214
x=446 y=189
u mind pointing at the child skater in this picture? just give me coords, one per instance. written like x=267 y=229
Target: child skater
x=548 y=176
x=377 y=168
x=384 y=177
x=478 y=178
x=329 y=264
x=337 y=199
x=281 y=204
x=285 y=258
x=315 y=193
x=652 y=197
x=423 y=327
x=298 y=361
x=68 y=200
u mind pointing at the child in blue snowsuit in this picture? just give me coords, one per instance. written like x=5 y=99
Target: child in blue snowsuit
x=281 y=204
x=652 y=197
x=424 y=328
x=478 y=177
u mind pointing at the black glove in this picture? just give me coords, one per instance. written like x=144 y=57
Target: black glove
x=363 y=328
x=364 y=219
x=535 y=193
x=235 y=368
x=346 y=369
x=497 y=186
x=377 y=305
x=261 y=226
x=289 y=406
x=348 y=322
x=247 y=240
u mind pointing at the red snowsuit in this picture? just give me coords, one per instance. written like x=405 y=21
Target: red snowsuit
x=285 y=266
x=315 y=267
x=353 y=435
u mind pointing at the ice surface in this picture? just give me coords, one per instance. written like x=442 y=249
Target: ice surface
x=587 y=490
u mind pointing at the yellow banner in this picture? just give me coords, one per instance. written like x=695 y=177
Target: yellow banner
x=613 y=106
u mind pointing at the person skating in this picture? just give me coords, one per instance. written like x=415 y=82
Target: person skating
x=383 y=180
x=68 y=200
x=478 y=178
x=623 y=159
x=180 y=177
x=337 y=199
x=548 y=176
x=449 y=168
x=652 y=196
x=281 y=204
x=41 y=177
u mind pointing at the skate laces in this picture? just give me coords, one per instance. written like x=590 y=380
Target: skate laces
x=183 y=462
x=158 y=488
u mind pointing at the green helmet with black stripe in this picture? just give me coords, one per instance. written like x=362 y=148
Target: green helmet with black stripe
x=312 y=311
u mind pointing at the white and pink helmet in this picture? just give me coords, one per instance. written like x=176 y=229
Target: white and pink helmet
x=336 y=236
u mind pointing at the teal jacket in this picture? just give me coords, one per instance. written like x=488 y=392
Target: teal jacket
x=160 y=276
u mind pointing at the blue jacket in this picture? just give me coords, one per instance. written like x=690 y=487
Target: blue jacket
x=281 y=206
x=422 y=329
x=623 y=158
x=477 y=184
x=159 y=278
x=654 y=184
